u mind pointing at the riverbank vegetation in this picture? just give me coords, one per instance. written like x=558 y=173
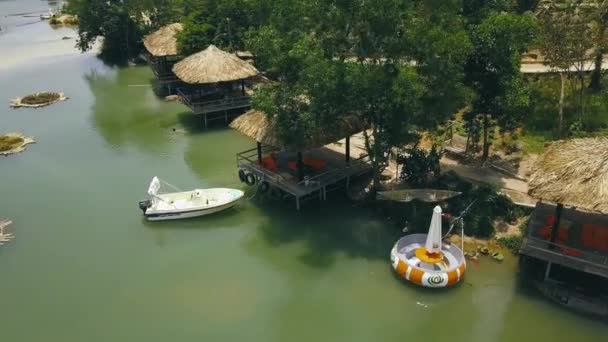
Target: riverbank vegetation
x=401 y=68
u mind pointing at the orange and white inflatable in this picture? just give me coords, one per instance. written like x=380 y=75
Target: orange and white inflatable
x=424 y=260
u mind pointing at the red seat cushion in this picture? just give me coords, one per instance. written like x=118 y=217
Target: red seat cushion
x=587 y=235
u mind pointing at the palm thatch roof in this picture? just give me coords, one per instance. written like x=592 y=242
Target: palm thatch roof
x=573 y=172
x=213 y=65
x=258 y=126
x=164 y=41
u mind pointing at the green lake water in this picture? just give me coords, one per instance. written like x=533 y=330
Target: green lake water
x=85 y=266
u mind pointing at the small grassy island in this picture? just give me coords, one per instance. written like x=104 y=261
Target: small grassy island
x=13 y=143
x=38 y=100
x=64 y=19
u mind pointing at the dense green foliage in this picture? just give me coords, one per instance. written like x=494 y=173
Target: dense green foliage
x=493 y=70
x=420 y=168
x=355 y=59
x=398 y=67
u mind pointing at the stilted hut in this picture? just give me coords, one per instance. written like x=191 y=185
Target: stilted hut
x=569 y=235
x=162 y=54
x=215 y=83
x=303 y=172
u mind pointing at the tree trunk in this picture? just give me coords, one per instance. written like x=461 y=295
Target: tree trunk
x=560 y=127
x=486 y=142
x=371 y=152
x=596 y=76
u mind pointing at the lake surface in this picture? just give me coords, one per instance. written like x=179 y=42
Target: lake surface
x=85 y=266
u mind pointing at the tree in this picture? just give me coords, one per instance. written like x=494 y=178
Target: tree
x=566 y=38
x=224 y=23
x=113 y=21
x=493 y=71
x=599 y=20
x=198 y=32
x=355 y=58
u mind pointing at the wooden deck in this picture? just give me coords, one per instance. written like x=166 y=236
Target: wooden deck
x=572 y=251
x=335 y=175
x=588 y=262
x=214 y=109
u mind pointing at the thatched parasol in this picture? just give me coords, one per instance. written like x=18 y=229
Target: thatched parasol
x=256 y=125
x=163 y=42
x=213 y=65
x=575 y=173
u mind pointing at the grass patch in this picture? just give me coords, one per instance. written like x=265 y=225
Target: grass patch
x=514 y=242
x=534 y=142
x=40 y=98
x=8 y=142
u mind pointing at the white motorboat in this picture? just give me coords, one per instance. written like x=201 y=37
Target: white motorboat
x=186 y=204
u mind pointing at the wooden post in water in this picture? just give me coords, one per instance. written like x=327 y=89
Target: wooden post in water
x=260 y=153
x=547 y=270
x=300 y=166
x=243 y=87
x=348 y=150
x=555 y=228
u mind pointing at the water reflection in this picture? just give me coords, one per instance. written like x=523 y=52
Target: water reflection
x=127 y=113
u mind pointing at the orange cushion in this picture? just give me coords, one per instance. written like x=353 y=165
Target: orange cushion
x=316 y=164
x=562 y=234
x=600 y=238
x=269 y=163
x=587 y=235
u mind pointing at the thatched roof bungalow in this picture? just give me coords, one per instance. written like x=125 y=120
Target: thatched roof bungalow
x=163 y=42
x=574 y=173
x=162 y=54
x=258 y=126
x=212 y=79
x=574 y=233
x=300 y=169
x=213 y=65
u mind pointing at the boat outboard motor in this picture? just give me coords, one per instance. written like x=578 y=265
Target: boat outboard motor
x=144 y=205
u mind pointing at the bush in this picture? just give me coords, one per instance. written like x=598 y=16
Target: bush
x=420 y=168
x=512 y=243
x=40 y=98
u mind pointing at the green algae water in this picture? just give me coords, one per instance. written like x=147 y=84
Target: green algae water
x=85 y=266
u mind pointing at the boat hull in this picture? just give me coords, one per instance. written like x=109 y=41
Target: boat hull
x=179 y=215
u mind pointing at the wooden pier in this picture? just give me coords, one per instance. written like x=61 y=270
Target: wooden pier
x=337 y=173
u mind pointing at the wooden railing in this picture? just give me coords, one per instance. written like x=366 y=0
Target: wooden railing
x=336 y=174
x=565 y=251
x=204 y=107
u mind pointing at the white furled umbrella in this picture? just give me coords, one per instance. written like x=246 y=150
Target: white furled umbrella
x=433 y=239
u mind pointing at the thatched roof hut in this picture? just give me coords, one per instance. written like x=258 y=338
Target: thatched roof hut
x=164 y=41
x=213 y=65
x=575 y=173
x=258 y=126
